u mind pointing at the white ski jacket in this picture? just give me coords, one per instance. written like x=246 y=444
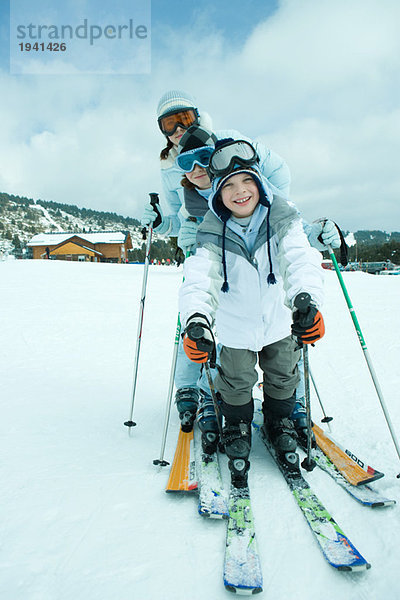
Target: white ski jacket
x=252 y=313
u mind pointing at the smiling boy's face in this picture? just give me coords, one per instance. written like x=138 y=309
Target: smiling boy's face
x=240 y=195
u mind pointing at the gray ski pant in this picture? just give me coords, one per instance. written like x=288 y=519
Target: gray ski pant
x=278 y=362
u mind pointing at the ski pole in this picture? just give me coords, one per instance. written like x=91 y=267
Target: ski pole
x=325 y=419
x=153 y=202
x=366 y=353
x=214 y=397
x=302 y=303
x=209 y=346
x=160 y=461
x=308 y=463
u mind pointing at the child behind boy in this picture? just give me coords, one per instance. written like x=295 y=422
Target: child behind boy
x=252 y=260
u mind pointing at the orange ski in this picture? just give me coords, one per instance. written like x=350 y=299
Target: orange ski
x=351 y=467
x=182 y=477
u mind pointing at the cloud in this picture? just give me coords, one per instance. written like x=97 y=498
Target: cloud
x=318 y=82
x=96 y=157
x=345 y=171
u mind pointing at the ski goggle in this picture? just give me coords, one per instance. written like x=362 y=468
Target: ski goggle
x=198 y=156
x=223 y=159
x=181 y=118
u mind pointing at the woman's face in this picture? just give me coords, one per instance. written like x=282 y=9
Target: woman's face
x=199 y=178
x=176 y=136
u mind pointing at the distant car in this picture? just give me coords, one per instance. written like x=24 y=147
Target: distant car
x=327 y=264
x=390 y=272
x=376 y=267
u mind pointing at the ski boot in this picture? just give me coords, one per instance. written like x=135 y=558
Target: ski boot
x=207 y=422
x=237 y=442
x=299 y=418
x=283 y=437
x=186 y=400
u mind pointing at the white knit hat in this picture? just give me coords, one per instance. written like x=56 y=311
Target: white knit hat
x=174 y=100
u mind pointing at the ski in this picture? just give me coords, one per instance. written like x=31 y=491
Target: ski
x=242 y=568
x=364 y=494
x=212 y=500
x=353 y=469
x=335 y=545
x=182 y=476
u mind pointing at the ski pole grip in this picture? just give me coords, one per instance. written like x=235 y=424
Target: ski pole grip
x=154 y=198
x=154 y=201
x=302 y=302
x=196 y=334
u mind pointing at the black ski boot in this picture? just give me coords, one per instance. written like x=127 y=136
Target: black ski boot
x=186 y=400
x=207 y=422
x=237 y=442
x=283 y=437
x=299 y=418
x=300 y=426
x=281 y=433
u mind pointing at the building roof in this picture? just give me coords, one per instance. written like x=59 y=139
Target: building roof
x=68 y=245
x=100 y=237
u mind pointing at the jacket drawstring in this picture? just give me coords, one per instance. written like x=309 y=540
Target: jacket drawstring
x=224 y=214
x=225 y=285
x=271 y=277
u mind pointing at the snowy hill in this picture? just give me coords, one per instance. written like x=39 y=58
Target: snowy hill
x=22 y=218
x=85 y=515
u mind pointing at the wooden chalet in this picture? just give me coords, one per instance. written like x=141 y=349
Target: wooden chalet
x=101 y=246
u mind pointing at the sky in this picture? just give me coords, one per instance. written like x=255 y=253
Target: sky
x=314 y=80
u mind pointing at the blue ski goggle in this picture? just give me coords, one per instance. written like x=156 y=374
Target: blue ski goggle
x=198 y=156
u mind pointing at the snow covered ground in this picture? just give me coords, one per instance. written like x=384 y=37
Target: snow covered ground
x=85 y=515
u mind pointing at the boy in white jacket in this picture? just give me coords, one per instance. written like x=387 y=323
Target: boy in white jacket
x=252 y=260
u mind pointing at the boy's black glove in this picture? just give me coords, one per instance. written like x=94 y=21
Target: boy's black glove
x=198 y=339
x=308 y=324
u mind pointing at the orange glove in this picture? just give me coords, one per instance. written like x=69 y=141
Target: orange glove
x=198 y=339
x=308 y=326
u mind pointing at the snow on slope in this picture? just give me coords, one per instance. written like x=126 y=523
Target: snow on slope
x=85 y=515
x=47 y=216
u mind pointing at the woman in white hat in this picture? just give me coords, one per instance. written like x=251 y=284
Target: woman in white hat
x=176 y=112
